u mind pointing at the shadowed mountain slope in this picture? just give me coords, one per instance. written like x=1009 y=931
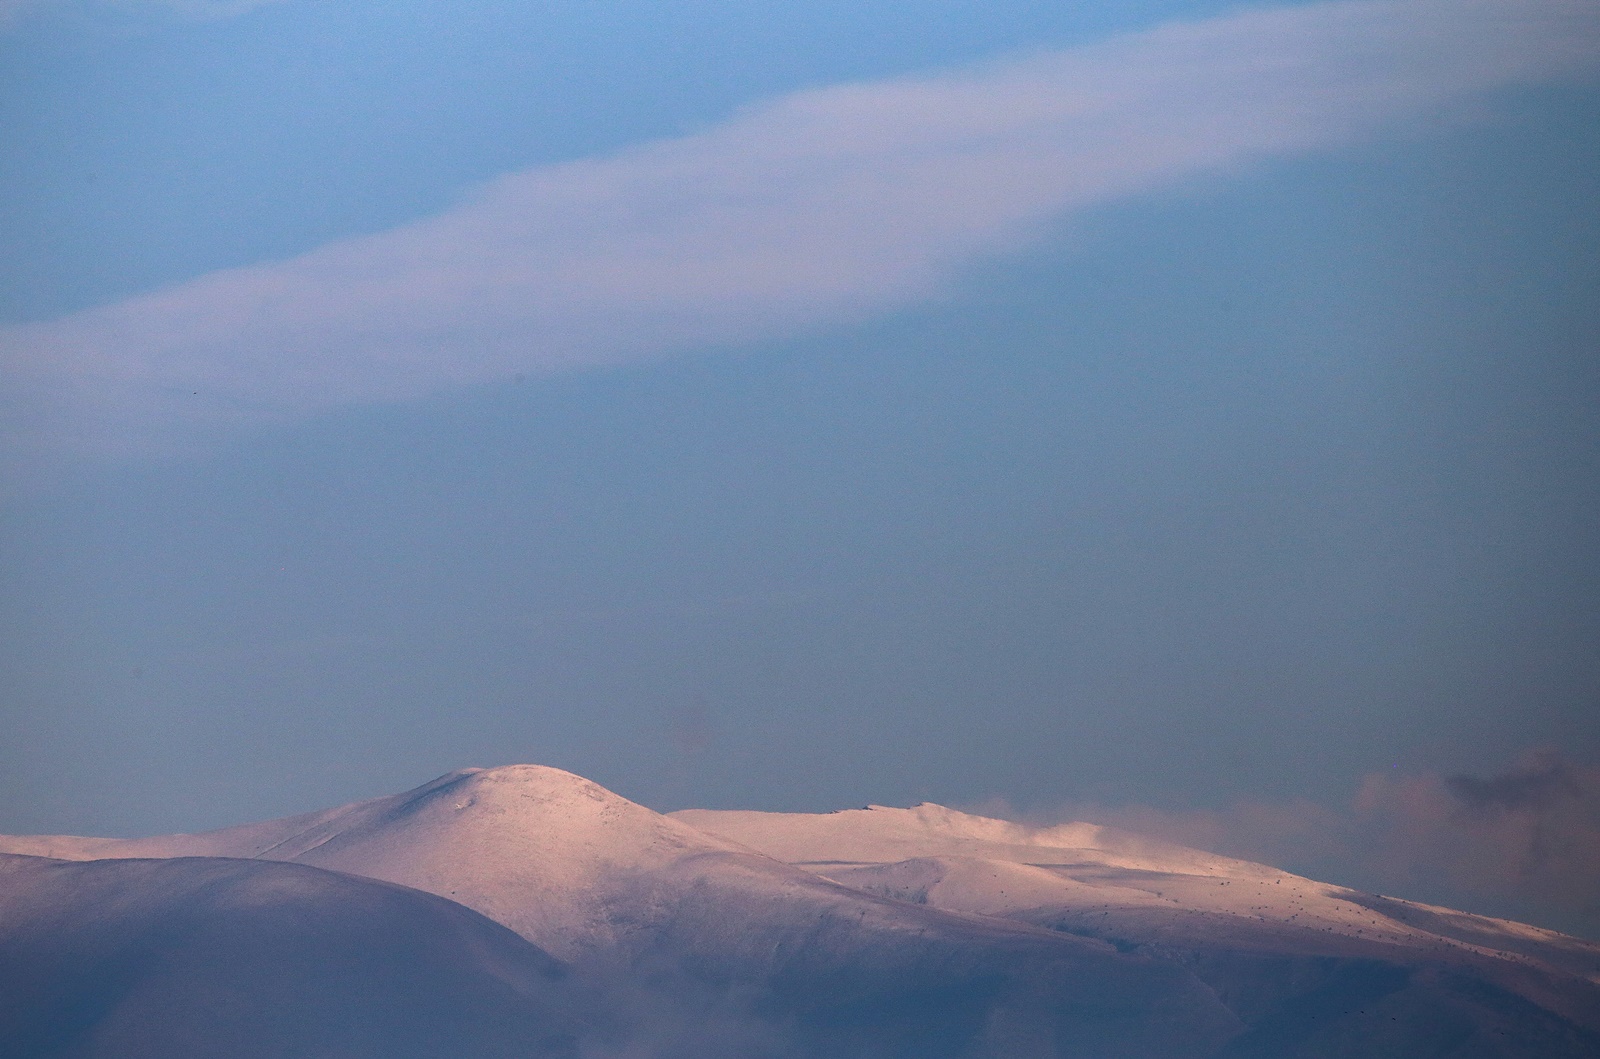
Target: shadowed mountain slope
x=160 y=958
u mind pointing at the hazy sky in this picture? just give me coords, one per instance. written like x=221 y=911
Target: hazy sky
x=1140 y=403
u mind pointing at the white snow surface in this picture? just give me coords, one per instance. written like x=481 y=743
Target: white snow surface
x=1076 y=872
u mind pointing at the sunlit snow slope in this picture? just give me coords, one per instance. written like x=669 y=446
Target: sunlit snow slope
x=1138 y=892
x=956 y=860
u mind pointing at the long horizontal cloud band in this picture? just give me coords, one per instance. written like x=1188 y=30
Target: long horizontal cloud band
x=817 y=207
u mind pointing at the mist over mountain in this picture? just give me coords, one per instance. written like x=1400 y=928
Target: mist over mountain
x=381 y=928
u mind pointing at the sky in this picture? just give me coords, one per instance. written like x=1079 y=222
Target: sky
x=1186 y=413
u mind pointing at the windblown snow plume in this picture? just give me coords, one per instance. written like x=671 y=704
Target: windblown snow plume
x=1526 y=839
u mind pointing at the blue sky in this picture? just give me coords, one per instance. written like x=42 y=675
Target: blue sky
x=1131 y=403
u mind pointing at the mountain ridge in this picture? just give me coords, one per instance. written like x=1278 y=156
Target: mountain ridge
x=928 y=931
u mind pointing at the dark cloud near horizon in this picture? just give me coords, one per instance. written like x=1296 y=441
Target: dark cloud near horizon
x=1529 y=834
x=1540 y=779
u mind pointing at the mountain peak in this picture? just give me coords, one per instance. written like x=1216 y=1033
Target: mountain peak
x=508 y=785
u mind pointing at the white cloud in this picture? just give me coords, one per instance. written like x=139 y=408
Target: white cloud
x=816 y=207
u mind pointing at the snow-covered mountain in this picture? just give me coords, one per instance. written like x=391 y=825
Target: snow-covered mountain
x=928 y=932
x=627 y=893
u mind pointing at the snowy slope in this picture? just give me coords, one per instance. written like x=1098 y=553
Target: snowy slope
x=1141 y=893
x=131 y=959
x=949 y=859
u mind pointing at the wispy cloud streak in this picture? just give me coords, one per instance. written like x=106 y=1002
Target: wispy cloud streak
x=818 y=207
